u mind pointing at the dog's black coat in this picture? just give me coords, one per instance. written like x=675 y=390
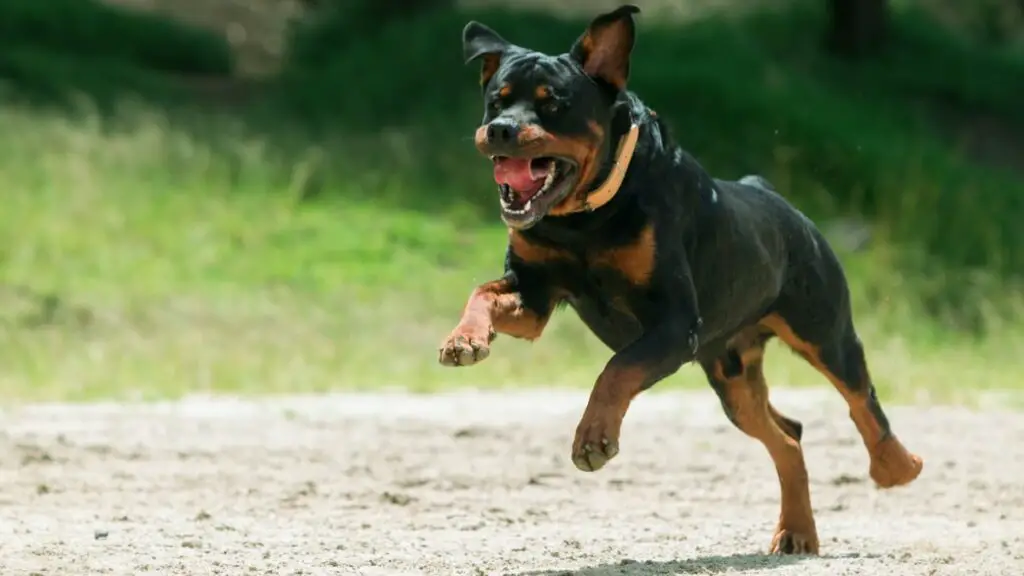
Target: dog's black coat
x=727 y=254
x=700 y=269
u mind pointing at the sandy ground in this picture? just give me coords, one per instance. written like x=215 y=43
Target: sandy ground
x=475 y=483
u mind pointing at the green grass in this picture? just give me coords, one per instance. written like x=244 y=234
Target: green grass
x=149 y=253
x=146 y=263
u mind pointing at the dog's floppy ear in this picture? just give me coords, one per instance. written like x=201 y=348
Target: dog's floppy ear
x=604 y=49
x=479 y=41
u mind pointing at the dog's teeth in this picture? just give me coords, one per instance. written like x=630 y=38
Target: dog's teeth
x=548 y=180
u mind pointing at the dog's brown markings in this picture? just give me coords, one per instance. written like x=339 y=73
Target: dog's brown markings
x=533 y=253
x=480 y=137
x=586 y=152
x=542 y=93
x=891 y=463
x=790 y=427
x=585 y=200
x=597 y=435
x=745 y=396
x=535 y=140
x=490 y=65
x=635 y=261
x=507 y=314
x=505 y=90
x=587 y=44
x=493 y=308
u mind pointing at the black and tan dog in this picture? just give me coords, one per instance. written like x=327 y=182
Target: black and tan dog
x=663 y=263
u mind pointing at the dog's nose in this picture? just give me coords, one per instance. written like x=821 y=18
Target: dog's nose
x=502 y=131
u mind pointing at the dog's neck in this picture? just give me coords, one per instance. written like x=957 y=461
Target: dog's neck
x=620 y=165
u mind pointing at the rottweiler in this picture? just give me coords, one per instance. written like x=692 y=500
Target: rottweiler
x=665 y=264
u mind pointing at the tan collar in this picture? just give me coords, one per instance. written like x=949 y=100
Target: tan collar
x=607 y=191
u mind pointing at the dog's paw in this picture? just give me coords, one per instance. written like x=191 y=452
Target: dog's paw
x=893 y=465
x=597 y=441
x=787 y=542
x=465 y=346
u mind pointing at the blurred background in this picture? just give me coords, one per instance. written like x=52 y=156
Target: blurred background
x=255 y=196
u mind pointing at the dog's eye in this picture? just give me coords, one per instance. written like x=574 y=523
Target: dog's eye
x=496 y=105
x=550 y=106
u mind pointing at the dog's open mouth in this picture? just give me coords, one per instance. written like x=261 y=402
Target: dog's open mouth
x=531 y=186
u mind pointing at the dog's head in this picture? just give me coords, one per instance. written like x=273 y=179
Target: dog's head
x=547 y=119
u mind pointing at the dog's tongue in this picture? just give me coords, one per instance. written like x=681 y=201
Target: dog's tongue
x=519 y=175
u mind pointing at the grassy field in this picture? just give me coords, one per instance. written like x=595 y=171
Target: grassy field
x=143 y=257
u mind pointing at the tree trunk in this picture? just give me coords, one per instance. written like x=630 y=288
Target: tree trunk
x=857 y=28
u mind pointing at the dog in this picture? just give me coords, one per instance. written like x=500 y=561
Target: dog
x=607 y=214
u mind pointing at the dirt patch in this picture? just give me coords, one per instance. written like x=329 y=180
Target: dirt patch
x=482 y=484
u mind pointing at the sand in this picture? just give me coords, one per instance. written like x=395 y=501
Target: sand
x=481 y=483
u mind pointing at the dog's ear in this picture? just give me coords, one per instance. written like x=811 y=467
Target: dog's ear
x=604 y=49
x=479 y=41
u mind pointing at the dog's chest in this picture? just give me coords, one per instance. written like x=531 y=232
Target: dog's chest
x=605 y=280
x=608 y=301
x=609 y=315
x=606 y=275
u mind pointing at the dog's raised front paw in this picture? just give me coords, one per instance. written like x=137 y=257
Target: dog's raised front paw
x=465 y=346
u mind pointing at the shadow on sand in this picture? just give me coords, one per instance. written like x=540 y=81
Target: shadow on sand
x=704 y=565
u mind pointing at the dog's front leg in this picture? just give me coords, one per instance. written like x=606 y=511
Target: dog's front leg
x=494 y=307
x=688 y=310
x=656 y=354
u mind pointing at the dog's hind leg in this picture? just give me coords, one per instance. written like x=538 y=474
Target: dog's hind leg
x=838 y=354
x=737 y=377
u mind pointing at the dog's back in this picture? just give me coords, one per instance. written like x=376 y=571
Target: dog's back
x=752 y=248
